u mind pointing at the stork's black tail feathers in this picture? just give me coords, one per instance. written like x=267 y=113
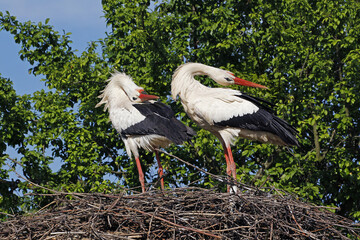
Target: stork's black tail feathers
x=285 y=131
x=264 y=120
x=180 y=132
x=278 y=126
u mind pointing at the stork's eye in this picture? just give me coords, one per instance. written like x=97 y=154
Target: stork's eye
x=228 y=79
x=134 y=98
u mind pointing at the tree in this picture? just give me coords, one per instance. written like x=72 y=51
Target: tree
x=307 y=52
x=14 y=115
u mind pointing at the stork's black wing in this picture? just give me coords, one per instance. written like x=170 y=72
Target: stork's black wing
x=160 y=120
x=263 y=120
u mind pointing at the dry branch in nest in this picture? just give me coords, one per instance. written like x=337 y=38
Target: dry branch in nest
x=185 y=213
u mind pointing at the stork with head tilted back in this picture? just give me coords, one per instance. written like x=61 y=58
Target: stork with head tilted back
x=228 y=113
x=141 y=122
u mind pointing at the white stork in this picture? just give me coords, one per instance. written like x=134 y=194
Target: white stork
x=141 y=123
x=228 y=113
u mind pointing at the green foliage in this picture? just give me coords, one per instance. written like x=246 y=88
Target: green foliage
x=14 y=116
x=307 y=52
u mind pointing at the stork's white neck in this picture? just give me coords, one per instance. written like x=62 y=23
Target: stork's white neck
x=183 y=79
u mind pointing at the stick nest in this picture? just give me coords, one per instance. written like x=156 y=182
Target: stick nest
x=185 y=213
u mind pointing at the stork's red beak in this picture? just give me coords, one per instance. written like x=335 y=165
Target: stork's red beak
x=243 y=82
x=145 y=97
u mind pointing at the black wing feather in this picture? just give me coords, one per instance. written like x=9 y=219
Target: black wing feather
x=148 y=109
x=263 y=120
x=160 y=120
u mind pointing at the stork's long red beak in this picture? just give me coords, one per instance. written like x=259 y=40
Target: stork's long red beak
x=145 y=97
x=243 y=82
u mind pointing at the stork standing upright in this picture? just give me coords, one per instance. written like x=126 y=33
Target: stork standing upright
x=228 y=113
x=142 y=123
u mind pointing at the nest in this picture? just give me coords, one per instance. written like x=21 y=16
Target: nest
x=184 y=213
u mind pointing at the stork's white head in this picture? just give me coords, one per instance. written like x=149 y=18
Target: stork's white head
x=183 y=78
x=135 y=93
x=121 y=90
x=226 y=78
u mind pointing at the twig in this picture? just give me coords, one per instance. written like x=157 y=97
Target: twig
x=114 y=203
x=231 y=229
x=7 y=214
x=293 y=217
x=44 y=207
x=48 y=232
x=174 y=224
x=219 y=178
x=73 y=233
x=152 y=217
x=223 y=179
x=306 y=233
x=189 y=164
x=37 y=185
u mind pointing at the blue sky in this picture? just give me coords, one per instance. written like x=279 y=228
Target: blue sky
x=83 y=18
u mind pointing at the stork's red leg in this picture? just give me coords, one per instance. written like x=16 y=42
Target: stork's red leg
x=228 y=165
x=141 y=174
x=228 y=171
x=232 y=162
x=160 y=170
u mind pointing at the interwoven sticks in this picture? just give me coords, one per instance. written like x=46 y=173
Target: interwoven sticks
x=186 y=213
